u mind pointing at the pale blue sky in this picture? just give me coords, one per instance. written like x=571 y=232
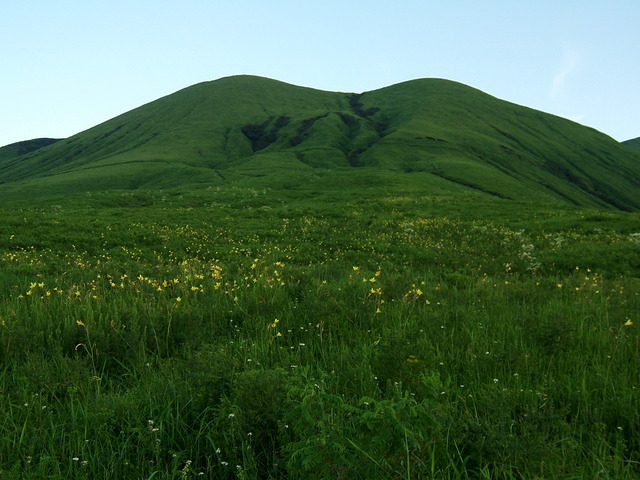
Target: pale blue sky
x=67 y=65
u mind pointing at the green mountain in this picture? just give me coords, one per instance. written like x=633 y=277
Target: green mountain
x=634 y=143
x=431 y=135
x=19 y=149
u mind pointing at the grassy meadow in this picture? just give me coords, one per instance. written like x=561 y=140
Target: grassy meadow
x=239 y=332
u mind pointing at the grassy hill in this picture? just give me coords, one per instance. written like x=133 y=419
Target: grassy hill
x=19 y=149
x=251 y=280
x=634 y=143
x=431 y=134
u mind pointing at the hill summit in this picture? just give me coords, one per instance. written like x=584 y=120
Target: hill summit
x=438 y=134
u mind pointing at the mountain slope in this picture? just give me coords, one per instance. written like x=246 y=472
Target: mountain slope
x=465 y=135
x=634 y=143
x=19 y=149
x=178 y=138
x=439 y=134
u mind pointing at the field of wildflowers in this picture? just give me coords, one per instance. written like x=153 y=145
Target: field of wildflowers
x=227 y=334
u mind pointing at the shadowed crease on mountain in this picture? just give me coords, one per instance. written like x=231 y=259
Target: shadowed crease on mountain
x=437 y=134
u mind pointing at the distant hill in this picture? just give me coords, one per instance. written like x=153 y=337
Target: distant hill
x=438 y=134
x=19 y=149
x=634 y=143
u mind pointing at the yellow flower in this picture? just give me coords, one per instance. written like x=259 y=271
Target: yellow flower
x=178 y=299
x=628 y=323
x=80 y=323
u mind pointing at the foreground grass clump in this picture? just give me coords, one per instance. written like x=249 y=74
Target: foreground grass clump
x=369 y=337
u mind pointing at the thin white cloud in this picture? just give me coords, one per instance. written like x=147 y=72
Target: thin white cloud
x=569 y=64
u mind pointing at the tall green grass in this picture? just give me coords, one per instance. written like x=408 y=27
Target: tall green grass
x=228 y=334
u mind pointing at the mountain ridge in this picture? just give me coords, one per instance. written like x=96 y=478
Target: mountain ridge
x=243 y=128
x=24 y=147
x=633 y=143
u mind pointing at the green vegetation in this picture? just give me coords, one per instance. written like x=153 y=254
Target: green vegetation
x=329 y=330
x=252 y=280
x=19 y=149
x=243 y=129
x=635 y=143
